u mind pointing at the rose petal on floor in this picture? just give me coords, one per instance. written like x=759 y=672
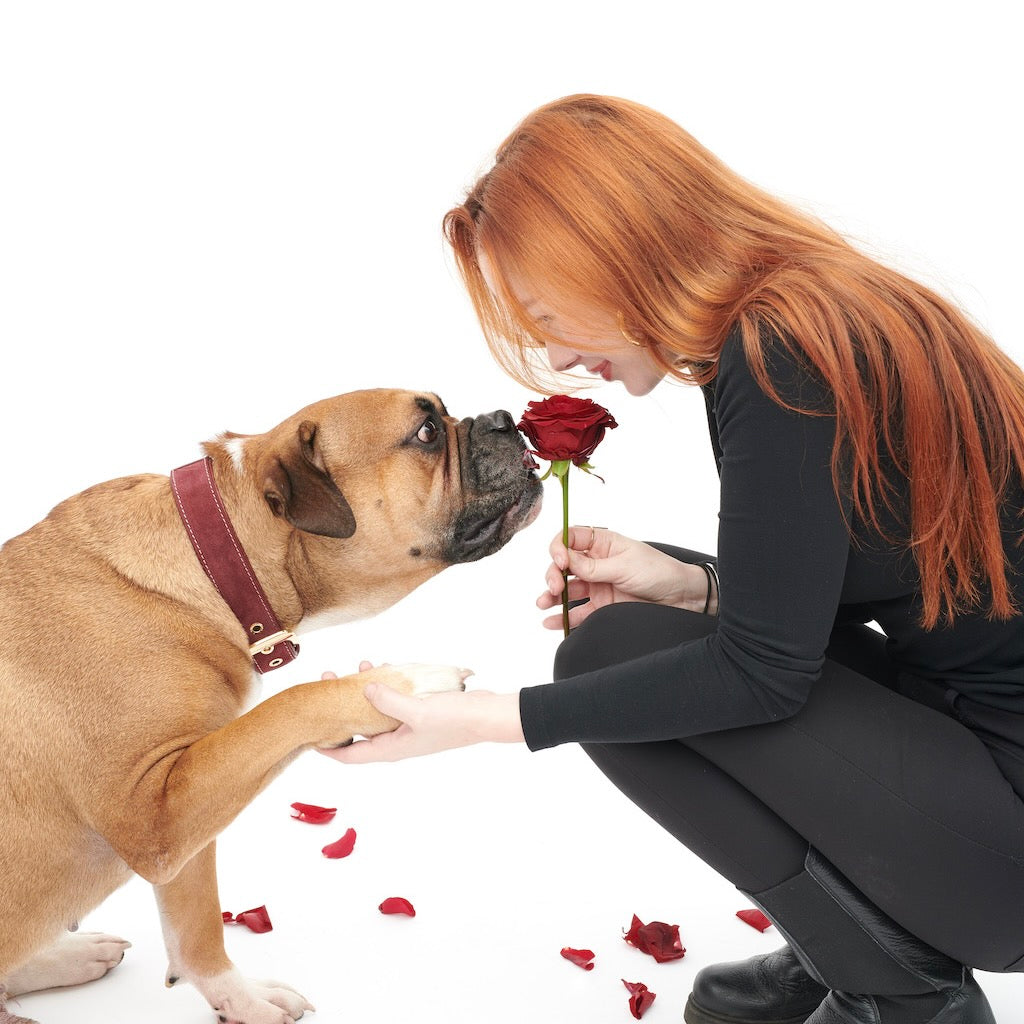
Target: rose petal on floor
x=397 y=905
x=256 y=920
x=341 y=847
x=754 y=918
x=580 y=957
x=313 y=814
x=640 y=997
x=657 y=939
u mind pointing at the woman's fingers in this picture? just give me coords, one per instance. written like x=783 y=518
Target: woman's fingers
x=584 y=567
x=579 y=590
x=591 y=538
x=595 y=539
x=363 y=667
x=576 y=616
x=388 y=746
x=554 y=580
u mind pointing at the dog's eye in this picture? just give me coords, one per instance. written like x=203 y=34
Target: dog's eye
x=427 y=433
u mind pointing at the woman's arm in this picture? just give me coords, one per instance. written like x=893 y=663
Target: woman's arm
x=783 y=545
x=608 y=568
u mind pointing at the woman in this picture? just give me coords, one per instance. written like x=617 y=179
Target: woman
x=870 y=443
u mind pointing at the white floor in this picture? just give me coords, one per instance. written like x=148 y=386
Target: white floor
x=507 y=858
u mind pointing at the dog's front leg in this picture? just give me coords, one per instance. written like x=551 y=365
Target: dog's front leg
x=190 y=792
x=194 y=934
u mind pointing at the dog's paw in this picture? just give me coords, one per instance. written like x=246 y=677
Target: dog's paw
x=361 y=718
x=73 y=959
x=238 y=1000
x=419 y=680
x=6 y=1017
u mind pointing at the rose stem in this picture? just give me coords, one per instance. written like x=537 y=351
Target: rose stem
x=565 y=541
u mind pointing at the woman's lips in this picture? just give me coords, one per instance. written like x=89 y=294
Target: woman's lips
x=603 y=370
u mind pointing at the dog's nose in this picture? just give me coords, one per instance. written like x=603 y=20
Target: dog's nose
x=499 y=422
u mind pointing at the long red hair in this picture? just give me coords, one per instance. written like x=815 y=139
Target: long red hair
x=606 y=203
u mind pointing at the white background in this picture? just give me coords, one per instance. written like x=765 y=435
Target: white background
x=214 y=213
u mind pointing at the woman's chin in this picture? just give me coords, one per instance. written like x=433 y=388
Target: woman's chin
x=639 y=388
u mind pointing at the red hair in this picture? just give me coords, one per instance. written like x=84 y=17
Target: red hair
x=603 y=202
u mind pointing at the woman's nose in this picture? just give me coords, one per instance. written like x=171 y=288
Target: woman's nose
x=561 y=358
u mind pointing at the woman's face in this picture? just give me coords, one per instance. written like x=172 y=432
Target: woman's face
x=589 y=338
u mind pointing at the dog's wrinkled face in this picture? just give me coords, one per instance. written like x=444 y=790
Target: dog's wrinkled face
x=401 y=479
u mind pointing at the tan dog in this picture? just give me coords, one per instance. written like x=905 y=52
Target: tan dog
x=121 y=745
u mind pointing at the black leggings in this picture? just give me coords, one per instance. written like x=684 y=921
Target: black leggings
x=903 y=799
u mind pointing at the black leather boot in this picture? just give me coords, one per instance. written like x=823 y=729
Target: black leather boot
x=876 y=971
x=770 y=989
x=965 y=1004
x=870 y=969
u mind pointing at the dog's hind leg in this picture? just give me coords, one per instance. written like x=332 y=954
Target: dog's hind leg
x=74 y=959
x=194 y=934
x=6 y=1017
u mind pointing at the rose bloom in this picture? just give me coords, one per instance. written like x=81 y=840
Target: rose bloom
x=563 y=428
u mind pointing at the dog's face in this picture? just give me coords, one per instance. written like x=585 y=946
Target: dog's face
x=392 y=478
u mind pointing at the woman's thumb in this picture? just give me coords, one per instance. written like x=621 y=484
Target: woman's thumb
x=388 y=701
x=590 y=569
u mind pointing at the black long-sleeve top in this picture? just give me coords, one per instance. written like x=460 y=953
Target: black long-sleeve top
x=791 y=569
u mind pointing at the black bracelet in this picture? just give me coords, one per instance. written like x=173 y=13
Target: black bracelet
x=712 y=574
x=707 y=600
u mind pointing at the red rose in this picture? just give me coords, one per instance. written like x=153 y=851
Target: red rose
x=565 y=431
x=563 y=428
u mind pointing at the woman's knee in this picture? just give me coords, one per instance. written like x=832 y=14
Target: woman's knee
x=621 y=632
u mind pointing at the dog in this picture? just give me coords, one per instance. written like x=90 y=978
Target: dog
x=123 y=743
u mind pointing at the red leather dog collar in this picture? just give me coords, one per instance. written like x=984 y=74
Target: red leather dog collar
x=221 y=555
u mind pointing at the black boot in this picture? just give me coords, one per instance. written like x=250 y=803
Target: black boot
x=770 y=989
x=877 y=972
x=965 y=1004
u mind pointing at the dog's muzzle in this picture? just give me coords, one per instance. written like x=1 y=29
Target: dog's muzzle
x=503 y=492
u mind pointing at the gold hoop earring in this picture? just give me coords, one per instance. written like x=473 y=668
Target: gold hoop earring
x=627 y=334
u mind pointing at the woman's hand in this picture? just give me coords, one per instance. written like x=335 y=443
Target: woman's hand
x=610 y=568
x=438 y=721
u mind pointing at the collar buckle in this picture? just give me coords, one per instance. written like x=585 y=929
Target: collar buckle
x=266 y=644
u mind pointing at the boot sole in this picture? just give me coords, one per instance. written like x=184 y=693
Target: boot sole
x=694 y=1013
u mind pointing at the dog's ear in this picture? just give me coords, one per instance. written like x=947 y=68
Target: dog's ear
x=298 y=488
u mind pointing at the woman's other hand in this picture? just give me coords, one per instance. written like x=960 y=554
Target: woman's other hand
x=610 y=568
